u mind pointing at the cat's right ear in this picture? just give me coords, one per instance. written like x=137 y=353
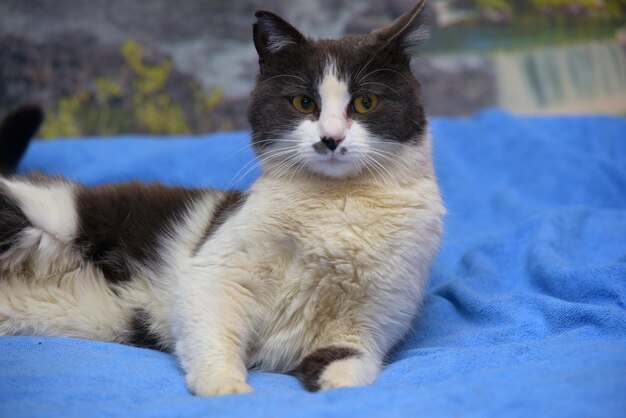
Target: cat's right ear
x=272 y=34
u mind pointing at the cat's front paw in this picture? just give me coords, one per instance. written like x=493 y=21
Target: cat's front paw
x=336 y=366
x=346 y=373
x=212 y=386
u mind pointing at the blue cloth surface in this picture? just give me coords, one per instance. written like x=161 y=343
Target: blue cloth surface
x=526 y=306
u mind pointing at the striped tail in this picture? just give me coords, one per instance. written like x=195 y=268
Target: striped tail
x=16 y=131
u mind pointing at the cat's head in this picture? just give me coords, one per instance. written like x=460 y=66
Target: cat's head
x=336 y=108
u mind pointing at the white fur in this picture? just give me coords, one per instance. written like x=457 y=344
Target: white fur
x=333 y=121
x=49 y=207
x=76 y=303
x=53 y=221
x=353 y=371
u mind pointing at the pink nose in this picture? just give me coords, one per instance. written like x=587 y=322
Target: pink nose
x=331 y=143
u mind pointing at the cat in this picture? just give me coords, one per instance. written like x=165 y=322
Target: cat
x=317 y=270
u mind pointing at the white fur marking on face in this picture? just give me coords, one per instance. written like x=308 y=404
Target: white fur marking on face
x=333 y=122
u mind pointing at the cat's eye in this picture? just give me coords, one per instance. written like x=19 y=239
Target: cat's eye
x=365 y=103
x=304 y=104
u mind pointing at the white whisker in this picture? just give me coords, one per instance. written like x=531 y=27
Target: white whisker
x=285 y=75
x=381 y=84
x=386 y=69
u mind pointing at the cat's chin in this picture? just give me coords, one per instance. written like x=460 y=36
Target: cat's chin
x=334 y=168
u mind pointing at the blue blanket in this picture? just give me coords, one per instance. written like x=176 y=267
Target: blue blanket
x=526 y=307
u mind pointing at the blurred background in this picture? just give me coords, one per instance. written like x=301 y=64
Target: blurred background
x=103 y=67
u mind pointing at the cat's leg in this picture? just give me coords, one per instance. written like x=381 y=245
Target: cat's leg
x=212 y=324
x=338 y=365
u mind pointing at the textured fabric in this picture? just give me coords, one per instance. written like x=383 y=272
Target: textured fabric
x=526 y=307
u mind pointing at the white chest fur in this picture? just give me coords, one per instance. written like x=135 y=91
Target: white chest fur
x=332 y=264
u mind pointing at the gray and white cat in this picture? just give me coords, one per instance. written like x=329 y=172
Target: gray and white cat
x=317 y=270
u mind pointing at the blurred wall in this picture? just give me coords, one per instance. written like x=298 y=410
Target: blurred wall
x=165 y=66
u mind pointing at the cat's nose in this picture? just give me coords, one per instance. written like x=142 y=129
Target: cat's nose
x=331 y=143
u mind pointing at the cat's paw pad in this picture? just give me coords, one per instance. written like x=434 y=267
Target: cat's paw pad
x=216 y=387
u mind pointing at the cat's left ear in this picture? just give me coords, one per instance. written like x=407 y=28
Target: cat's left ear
x=409 y=30
x=272 y=34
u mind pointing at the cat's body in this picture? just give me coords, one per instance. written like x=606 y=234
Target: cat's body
x=318 y=269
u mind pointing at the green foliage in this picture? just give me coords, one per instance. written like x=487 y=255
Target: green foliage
x=499 y=5
x=588 y=5
x=205 y=103
x=149 y=79
x=154 y=111
x=106 y=90
x=160 y=115
x=136 y=101
x=537 y=9
x=63 y=120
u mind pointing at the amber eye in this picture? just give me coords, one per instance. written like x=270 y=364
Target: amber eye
x=365 y=103
x=304 y=104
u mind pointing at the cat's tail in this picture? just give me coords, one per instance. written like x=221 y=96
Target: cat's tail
x=16 y=131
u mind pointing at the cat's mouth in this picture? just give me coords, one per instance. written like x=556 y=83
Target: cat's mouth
x=335 y=157
x=333 y=164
